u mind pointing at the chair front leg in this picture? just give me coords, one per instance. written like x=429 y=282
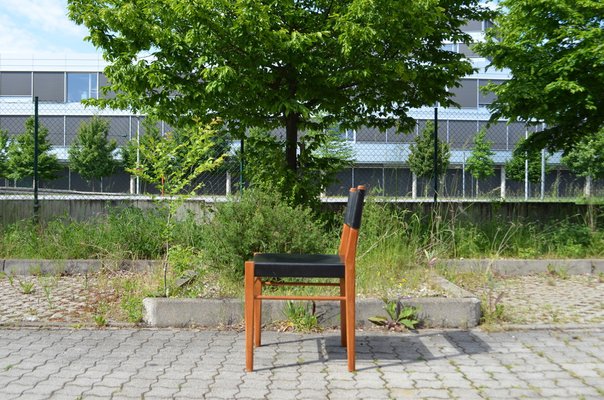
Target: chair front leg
x=257 y=311
x=249 y=315
x=343 y=313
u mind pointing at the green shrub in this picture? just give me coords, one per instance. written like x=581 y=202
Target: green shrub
x=259 y=222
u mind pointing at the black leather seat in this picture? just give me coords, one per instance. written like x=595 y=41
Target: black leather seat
x=298 y=265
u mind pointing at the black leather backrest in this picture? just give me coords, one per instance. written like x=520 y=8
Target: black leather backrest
x=352 y=199
x=357 y=209
x=354 y=209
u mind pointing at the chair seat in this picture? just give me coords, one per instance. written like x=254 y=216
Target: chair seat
x=298 y=265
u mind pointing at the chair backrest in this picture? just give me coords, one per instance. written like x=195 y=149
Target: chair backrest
x=352 y=217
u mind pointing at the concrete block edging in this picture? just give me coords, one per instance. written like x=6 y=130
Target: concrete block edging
x=434 y=312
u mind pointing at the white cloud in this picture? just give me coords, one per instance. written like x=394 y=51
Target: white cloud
x=35 y=26
x=47 y=15
x=16 y=39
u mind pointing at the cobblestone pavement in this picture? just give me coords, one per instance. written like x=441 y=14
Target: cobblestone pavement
x=189 y=364
x=547 y=299
x=574 y=299
x=74 y=299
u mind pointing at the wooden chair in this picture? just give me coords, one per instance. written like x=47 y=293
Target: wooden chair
x=264 y=267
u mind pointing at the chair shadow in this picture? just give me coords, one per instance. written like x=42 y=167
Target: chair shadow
x=388 y=350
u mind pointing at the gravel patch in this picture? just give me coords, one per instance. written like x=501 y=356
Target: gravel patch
x=55 y=299
x=553 y=300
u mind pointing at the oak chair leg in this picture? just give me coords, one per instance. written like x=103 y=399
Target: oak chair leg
x=342 y=313
x=249 y=315
x=257 y=311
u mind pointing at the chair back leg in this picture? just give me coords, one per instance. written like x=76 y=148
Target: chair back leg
x=249 y=315
x=350 y=322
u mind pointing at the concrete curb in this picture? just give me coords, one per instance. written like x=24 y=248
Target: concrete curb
x=435 y=312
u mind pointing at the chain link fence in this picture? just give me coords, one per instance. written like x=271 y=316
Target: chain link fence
x=381 y=159
x=62 y=121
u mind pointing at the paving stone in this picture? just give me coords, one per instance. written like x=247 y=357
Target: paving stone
x=16 y=388
x=103 y=391
x=432 y=384
x=282 y=394
x=257 y=393
x=376 y=394
x=344 y=394
x=433 y=393
x=465 y=394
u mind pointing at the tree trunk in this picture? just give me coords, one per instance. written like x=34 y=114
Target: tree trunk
x=291 y=140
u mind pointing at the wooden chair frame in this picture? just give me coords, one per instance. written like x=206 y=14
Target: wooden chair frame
x=345 y=262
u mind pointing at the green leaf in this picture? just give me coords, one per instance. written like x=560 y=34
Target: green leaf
x=409 y=323
x=378 y=320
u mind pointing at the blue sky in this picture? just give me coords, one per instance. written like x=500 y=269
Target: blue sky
x=40 y=26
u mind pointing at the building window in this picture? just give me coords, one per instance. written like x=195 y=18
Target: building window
x=452 y=47
x=81 y=86
x=15 y=84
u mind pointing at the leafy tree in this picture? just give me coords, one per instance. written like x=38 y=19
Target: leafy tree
x=129 y=152
x=279 y=63
x=586 y=158
x=480 y=163
x=322 y=156
x=515 y=167
x=3 y=155
x=421 y=158
x=180 y=138
x=21 y=154
x=175 y=162
x=553 y=49
x=91 y=154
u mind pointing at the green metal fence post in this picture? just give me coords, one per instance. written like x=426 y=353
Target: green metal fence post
x=36 y=202
x=435 y=154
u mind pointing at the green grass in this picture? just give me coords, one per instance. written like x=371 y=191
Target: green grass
x=395 y=247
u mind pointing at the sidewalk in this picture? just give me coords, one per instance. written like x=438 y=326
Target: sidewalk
x=57 y=358
x=189 y=364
